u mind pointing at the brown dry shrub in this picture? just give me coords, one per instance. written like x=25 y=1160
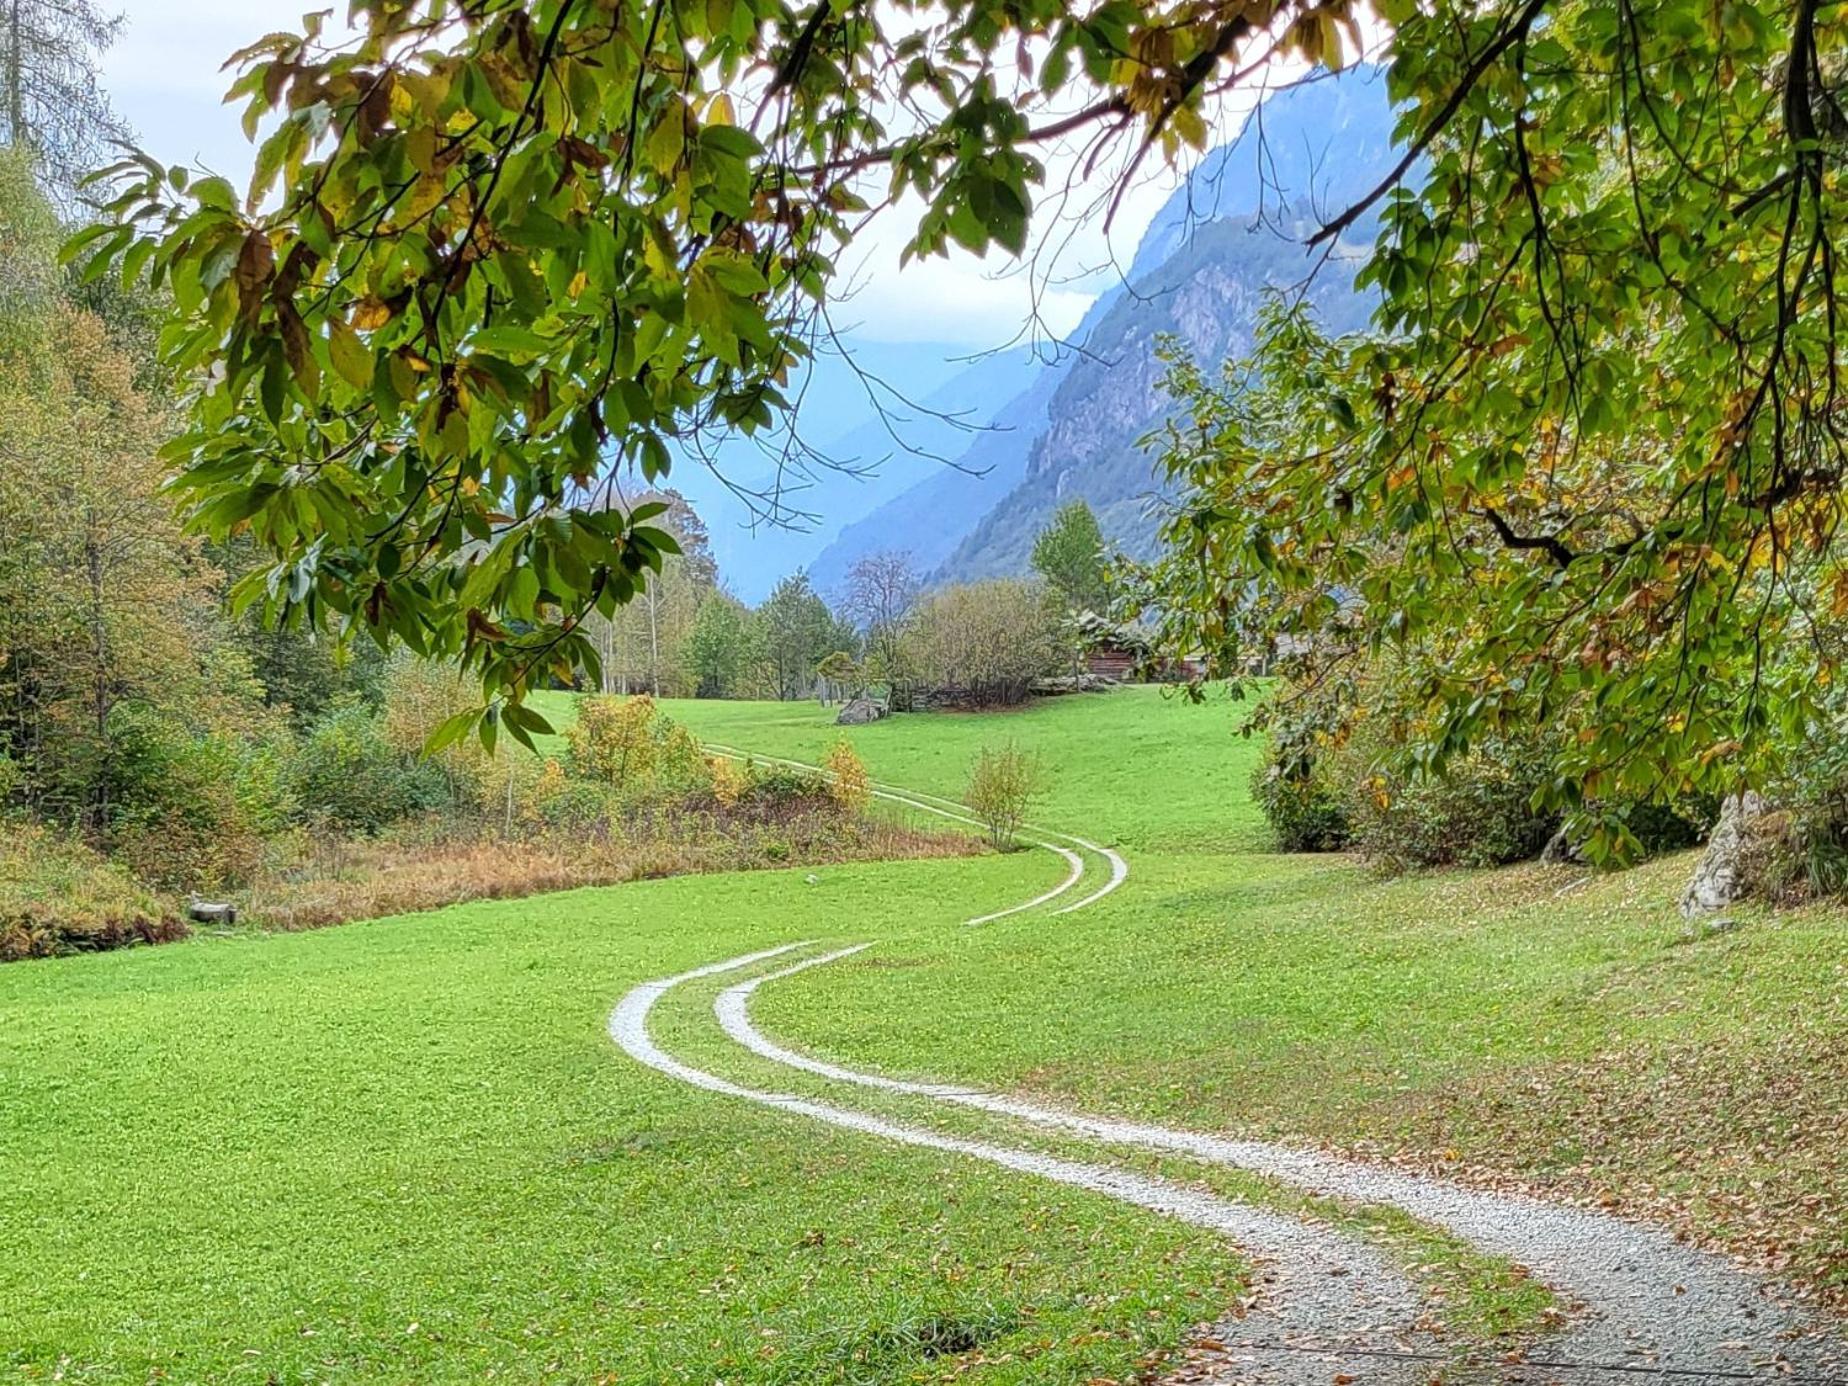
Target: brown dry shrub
x=57 y=896
x=333 y=882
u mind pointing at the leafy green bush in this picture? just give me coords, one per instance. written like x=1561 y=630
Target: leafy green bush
x=777 y=791
x=58 y=896
x=1478 y=812
x=348 y=776
x=1306 y=812
x=630 y=747
x=183 y=813
x=1003 y=782
x=1338 y=775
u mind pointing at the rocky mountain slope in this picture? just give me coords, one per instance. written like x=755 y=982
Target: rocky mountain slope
x=1231 y=236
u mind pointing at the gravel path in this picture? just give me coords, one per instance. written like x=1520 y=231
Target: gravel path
x=949 y=808
x=1329 y=1310
x=1652 y=1305
x=1325 y=1308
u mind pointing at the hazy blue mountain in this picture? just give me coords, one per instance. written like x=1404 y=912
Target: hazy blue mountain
x=925 y=520
x=1230 y=236
x=880 y=433
x=1208 y=296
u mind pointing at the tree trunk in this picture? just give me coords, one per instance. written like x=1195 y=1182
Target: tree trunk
x=654 y=639
x=99 y=675
x=15 y=77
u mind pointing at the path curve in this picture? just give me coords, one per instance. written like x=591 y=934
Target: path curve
x=949 y=808
x=1657 y=1307
x=1328 y=1308
x=1654 y=1302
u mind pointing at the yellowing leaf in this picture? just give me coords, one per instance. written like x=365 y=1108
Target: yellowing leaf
x=353 y=362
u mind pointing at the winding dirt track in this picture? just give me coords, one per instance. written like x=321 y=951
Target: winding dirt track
x=1330 y=1307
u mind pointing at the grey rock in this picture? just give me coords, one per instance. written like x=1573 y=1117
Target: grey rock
x=1719 y=879
x=860 y=711
x=1561 y=850
x=211 y=912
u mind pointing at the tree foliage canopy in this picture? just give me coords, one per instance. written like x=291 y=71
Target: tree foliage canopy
x=1589 y=470
x=1069 y=554
x=496 y=243
x=51 y=102
x=1592 y=461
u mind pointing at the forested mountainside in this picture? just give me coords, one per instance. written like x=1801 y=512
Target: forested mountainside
x=1227 y=239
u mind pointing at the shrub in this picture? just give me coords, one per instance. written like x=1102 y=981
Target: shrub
x=1478 y=812
x=848 y=784
x=1799 y=849
x=556 y=800
x=349 y=777
x=730 y=780
x=613 y=740
x=1305 y=810
x=681 y=767
x=780 y=791
x=58 y=896
x=1338 y=775
x=188 y=811
x=983 y=642
x=1003 y=783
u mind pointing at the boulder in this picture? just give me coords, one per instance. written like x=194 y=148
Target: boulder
x=1561 y=850
x=858 y=712
x=211 y=912
x=1719 y=879
x=1054 y=686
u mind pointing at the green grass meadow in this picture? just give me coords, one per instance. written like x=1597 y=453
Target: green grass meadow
x=408 y=1150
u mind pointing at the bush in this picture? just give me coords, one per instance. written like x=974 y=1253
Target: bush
x=780 y=791
x=557 y=801
x=613 y=739
x=189 y=811
x=982 y=643
x=1799 y=849
x=1003 y=783
x=1338 y=776
x=58 y=896
x=1478 y=812
x=629 y=749
x=730 y=780
x=348 y=776
x=848 y=784
x=1305 y=811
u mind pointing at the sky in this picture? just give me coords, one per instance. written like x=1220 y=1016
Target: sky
x=164 y=77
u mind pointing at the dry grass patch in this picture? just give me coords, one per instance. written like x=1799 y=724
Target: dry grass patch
x=58 y=896
x=334 y=882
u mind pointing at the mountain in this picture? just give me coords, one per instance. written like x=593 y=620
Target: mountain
x=870 y=430
x=1207 y=297
x=1232 y=235
x=929 y=519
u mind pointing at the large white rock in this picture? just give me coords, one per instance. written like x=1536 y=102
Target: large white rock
x=1718 y=879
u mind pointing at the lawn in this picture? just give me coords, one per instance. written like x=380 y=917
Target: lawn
x=407 y=1149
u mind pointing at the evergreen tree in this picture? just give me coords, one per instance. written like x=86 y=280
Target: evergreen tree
x=1069 y=554
x=51 y=102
